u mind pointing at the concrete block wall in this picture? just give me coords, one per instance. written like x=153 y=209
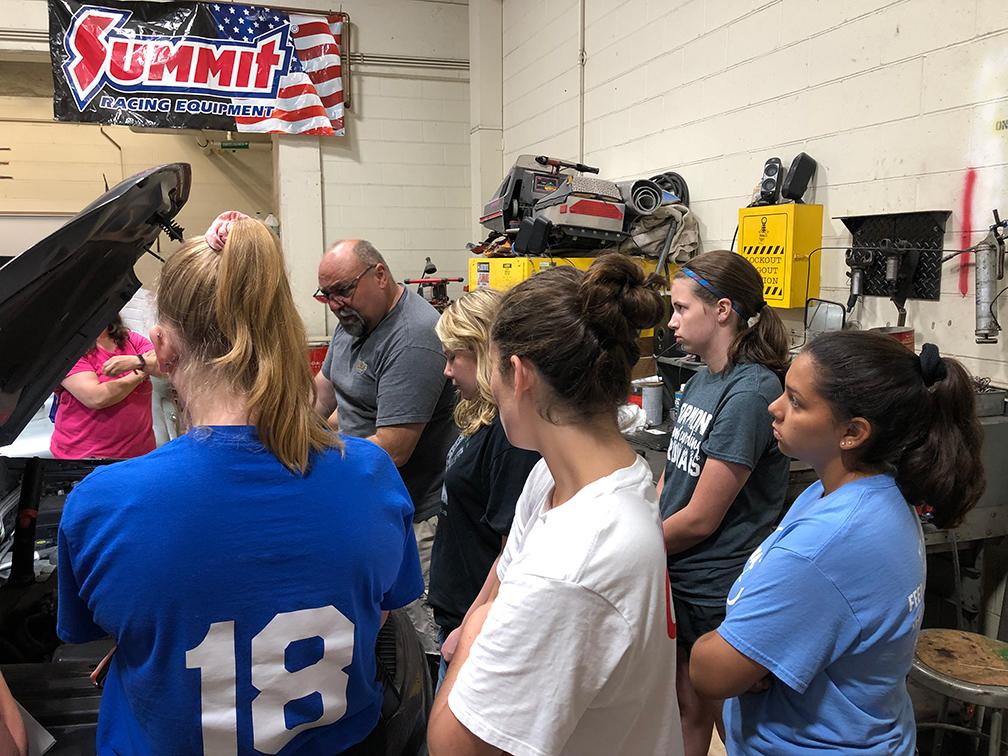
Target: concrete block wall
x=401 y=177
x=540 y=78
x=895 y=100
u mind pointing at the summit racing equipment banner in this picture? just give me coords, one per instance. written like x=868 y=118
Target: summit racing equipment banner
x=218 y=66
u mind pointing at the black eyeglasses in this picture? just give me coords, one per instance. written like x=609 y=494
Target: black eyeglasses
x=342 y=291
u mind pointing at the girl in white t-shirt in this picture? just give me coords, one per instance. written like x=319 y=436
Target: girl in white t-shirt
x=574 y=652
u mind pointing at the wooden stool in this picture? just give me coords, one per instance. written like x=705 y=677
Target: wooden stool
x=967 y=667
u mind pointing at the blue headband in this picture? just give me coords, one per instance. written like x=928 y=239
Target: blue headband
x=710 y=287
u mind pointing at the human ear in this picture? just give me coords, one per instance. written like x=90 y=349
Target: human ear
x=524 y=376
x=856 y=434
x=165 y=347
x=519 y=376
x=723 y=308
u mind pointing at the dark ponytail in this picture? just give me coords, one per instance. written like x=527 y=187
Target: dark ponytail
x=118 y=331
x=762 y=338
x=945 y=469
x=922 y=414
x=580 y=331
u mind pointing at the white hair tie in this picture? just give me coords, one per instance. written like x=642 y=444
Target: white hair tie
x=755 y=318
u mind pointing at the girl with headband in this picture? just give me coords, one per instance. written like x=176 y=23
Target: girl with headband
x=724 y=483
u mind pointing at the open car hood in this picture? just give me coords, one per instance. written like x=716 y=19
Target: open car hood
x=58 y=296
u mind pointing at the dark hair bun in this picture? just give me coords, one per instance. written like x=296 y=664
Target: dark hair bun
x=617 y=295
x=580 y=331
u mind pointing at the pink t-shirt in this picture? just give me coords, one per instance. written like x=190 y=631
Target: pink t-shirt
x=122 y=430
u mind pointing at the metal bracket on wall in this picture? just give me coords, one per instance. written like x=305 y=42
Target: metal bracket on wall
x=892 y=241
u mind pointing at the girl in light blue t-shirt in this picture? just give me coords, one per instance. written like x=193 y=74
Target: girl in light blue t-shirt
x=822 y=624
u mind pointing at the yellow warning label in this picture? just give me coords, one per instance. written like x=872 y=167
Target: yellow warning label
x=777 y=240
x=763 y=238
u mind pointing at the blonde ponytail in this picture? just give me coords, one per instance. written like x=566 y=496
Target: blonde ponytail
x=235 y=316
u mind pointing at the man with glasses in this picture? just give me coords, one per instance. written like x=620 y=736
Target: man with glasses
x=383 y=379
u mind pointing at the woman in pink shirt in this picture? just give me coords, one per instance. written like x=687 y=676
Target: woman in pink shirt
x=105 y=400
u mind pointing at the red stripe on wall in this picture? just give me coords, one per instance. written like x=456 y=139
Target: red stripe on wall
x=967 y=231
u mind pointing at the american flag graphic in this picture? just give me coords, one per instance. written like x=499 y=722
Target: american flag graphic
x=310 y=100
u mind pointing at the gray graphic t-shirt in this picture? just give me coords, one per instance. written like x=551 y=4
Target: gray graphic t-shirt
x=724 y=416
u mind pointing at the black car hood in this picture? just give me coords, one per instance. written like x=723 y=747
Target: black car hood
x=57 y=297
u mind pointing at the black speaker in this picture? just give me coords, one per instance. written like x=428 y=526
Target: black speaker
x=770 y=184
x=798 y=177
x=665 y=343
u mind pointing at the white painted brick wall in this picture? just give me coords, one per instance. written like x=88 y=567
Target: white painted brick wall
x=896 y=99
x=401 y=179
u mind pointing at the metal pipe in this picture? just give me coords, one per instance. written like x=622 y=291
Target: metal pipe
x=901 y=313
x=582 y=57
x=290 y=9
x=407 y=61
x=371 y=59
x=347 y=77
x=642 y=196
x=957 y=578
x=666 y=246
x=994 y=740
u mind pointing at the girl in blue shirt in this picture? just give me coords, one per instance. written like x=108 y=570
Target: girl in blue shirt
x=822 y=624
x=244 y=568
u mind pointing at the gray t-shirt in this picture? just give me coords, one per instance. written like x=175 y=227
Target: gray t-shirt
x=394 y=376
x=724 y=416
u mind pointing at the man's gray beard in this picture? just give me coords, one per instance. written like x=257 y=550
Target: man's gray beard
x=352 y=323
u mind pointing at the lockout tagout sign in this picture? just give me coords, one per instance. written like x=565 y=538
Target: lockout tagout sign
x=192 y=65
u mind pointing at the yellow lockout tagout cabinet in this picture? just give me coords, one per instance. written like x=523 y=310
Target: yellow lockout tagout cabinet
x=783 y=242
